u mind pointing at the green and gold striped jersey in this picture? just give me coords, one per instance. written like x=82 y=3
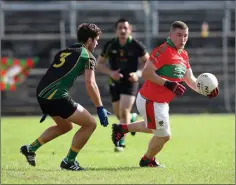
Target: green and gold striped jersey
x=68 y=64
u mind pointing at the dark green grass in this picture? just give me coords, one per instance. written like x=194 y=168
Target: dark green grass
x=202 y=150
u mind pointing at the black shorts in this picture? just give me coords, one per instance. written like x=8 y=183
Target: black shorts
x=63 y=107
x=126 y=87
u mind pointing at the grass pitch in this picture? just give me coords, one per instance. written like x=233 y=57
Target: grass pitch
x=201 y=151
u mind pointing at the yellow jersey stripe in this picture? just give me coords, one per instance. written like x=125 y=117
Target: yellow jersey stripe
x=54 y=92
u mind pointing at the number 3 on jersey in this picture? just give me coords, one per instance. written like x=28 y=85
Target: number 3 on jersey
x=62 y=59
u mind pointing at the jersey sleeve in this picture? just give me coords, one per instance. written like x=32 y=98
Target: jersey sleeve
x=105 y=50
x=142 y=50
x=90 y=64
x=88 y=59
x=157 y=58
x=188 y=65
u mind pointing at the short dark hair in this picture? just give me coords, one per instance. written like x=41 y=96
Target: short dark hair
x=86 y=31
x=120 y=20
x=178 y=24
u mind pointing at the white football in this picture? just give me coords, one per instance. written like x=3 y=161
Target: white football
x=206 y=83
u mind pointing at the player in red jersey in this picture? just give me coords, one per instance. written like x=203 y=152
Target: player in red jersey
x=168 y=65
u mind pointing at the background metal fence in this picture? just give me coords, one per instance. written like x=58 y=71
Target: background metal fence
x=40 y=28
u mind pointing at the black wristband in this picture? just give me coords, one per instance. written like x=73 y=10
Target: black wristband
x=101 y=107
x=168 y=84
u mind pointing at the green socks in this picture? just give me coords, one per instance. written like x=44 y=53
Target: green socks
x=72 y=154
x=133 y=117
x=35 y=145
x=122 y=142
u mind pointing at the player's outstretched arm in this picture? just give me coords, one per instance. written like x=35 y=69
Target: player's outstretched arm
x=191 y=80
x=92 y=87
x=94 y=94
x=192 y=83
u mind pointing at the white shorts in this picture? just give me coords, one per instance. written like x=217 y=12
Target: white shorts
x=155 y=115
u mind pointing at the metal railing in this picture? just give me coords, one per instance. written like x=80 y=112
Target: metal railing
x=151 y=30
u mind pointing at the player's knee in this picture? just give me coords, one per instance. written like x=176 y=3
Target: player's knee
x=93 y=124
x=165 y=134
x=118 y=116
x=166 y=138
x=69 y=127
x=124 y=113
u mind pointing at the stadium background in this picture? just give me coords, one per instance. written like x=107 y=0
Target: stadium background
x=38 y=28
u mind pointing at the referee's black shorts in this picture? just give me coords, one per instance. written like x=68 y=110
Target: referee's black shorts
x=63 y=107
x=124 y=87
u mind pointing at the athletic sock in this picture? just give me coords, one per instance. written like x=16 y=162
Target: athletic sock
x=124 y=128
x=122 y=142
x=73 y=152
x=145 y=158
x=35 y=145
x=133 y=117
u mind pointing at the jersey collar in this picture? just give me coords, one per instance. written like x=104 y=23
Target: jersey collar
x=127 y=42
x=169 y=41
x=78 y=44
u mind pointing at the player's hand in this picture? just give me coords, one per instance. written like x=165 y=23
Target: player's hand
x=133 y=77
x=103 y=116
x=115 y=75
x=175 y=87
x=214 y=93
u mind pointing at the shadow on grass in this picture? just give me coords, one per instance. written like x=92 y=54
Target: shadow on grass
x=125 y=168
x=30 y=169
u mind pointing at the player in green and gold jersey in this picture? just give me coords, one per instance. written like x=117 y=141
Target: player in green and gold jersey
x=54 y=100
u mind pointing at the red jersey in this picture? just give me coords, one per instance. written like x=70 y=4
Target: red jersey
x=171 y=65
